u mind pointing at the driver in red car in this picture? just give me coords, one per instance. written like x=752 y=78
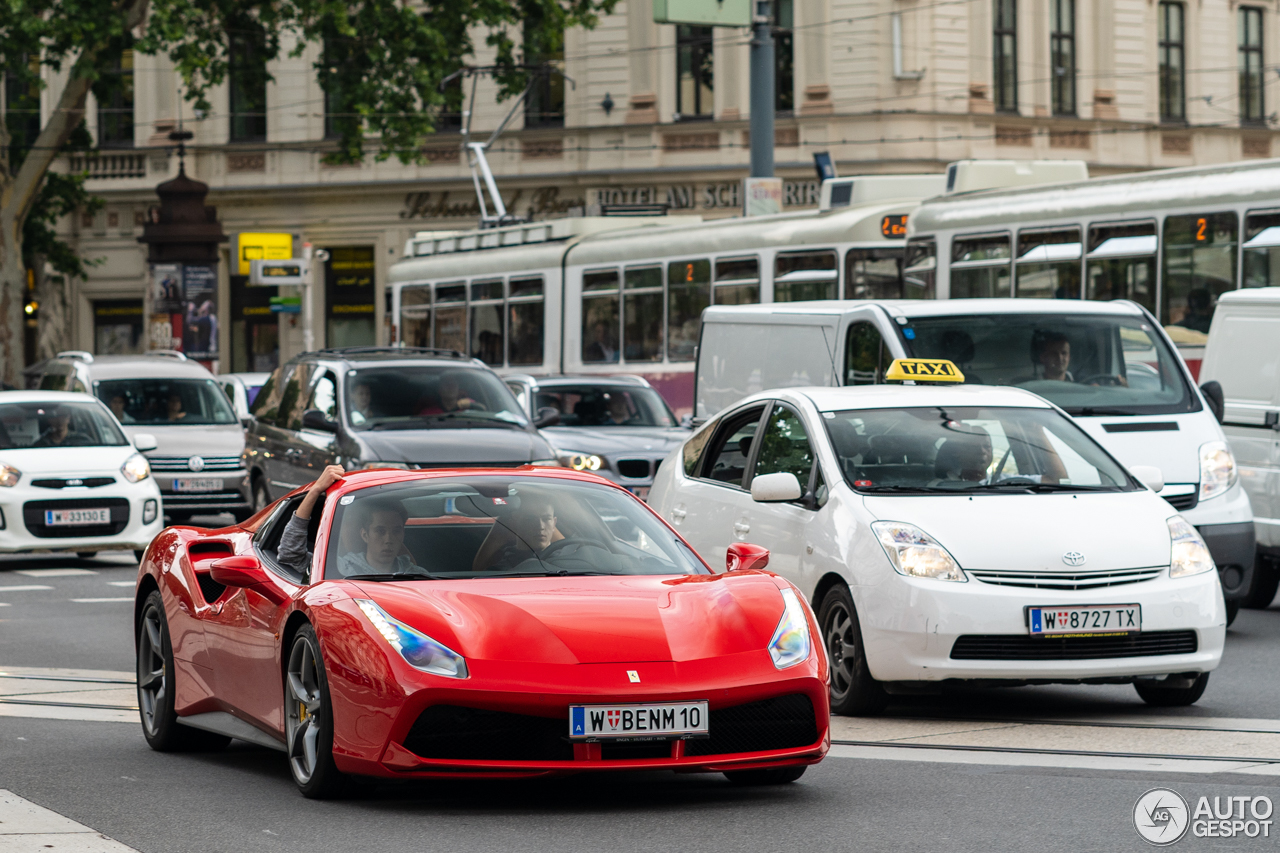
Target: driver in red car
x=530 y=531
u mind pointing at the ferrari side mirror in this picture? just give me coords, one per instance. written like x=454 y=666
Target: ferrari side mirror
x=743 y=557
x=245 y=572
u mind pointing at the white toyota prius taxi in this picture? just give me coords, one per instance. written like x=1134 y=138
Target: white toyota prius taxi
x=954 y=532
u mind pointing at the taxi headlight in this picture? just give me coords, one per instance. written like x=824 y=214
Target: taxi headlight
x=419 y=650
x=136 y=468
x=790 y=643
x=1188 y=553
x=1217 y=469
x=580 y=461
x=915 y=553
x=9 y=476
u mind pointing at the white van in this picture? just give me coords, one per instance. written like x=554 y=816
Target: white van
x=1242 y=357
x=1108 y=364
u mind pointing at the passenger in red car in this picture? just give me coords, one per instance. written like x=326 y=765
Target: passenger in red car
x=382 y=532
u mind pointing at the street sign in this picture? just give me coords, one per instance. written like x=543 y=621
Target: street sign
x=290 y=271
x=286 y=305
x=254 y=246
x=706 y=13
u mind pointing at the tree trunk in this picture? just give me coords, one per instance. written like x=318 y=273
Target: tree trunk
x=13 y=288
x=53 y=292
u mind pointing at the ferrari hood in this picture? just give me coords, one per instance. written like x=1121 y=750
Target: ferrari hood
x=590 y=619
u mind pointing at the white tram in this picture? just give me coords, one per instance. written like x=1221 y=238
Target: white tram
x=1171 y=240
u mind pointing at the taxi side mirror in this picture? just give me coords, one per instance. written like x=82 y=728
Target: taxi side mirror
x=743 y=557
x=1212 y=391
x=1149 y=475
x=775 y=488
x=144 y=441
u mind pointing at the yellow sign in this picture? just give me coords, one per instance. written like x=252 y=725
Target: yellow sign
x=261 y=247
x=924 y=370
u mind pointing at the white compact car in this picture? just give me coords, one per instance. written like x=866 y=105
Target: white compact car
x=69 y=478
x=966 y=532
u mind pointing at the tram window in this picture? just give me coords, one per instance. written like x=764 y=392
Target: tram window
x=1048 y=264
x=1199 y=266
x=525 y=321
x=600 y=317
x=866 y=357
x=525 y=287
x=980 y=266
x=920 y=270
x=415 y=316
x=1121 y=263
x=688 y=293
x=802 y=276
x=737 y=281
x=487 y=322
x=875 y=274
x=450 y=317
x=1262 y=248
x=642 y=314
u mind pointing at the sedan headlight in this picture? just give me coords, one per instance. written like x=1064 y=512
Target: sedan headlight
x=1217 y=469
x=9 y=476
x=136 y=468
x=547 y=463
x=1189 y=555
x=371 y=465
x=915 y=553
x=790 y=644
x=417 y=648
x=580 y=461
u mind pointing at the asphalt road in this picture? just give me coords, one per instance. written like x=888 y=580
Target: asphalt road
x=102 y=775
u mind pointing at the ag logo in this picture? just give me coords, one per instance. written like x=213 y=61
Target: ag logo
x=1073 y=558
x=1161 y=816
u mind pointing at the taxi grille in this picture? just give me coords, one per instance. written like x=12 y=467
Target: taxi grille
x=1026 y=647
x=1067 y=580
x=460 y=733
x=1184 y=502
x=783 y=722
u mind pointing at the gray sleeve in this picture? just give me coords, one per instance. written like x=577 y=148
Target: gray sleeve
x=292 y=551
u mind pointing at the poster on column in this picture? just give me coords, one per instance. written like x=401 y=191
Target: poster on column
x=168 y=288
x=200 y=326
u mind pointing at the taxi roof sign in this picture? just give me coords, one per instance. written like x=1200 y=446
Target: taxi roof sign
x=924 y=370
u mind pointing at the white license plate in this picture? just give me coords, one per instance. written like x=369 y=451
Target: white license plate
x=1092 y=620
x=642 y=492
x=188 y=484
x=667 y=719
x=73 y=517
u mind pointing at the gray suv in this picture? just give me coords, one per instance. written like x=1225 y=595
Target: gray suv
x=383 y=407
x=200 y=442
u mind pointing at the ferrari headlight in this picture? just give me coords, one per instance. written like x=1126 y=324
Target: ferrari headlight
x=915 y=553
x=417 y=648
x=371 y=465
x=9 y=476
x=580 y=461
x=136 y=468
x=790 y=644
x=1217 y=469
x=1189 y=555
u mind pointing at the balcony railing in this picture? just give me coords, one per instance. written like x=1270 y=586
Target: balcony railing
x=108 y=166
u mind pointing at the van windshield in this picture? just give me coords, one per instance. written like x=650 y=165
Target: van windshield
x=167 y=402
x=1088 y=365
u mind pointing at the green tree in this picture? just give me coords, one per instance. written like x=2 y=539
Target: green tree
x=383 y=63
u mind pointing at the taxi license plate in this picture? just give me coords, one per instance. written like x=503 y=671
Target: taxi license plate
x=75 y=517
x=196 y=485
x=1089 y=620
x=666 y=719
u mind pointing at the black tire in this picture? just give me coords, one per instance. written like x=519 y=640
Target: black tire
x=261 y=497
x=1266 y=581
x=155 y=672
x=853 y=691
x=178 y=517
x=308 y=715
x=243 y=515
x=1172 y=697
x=766 y=776
x=1233 y=610
x=138 y=555
x=86 y=555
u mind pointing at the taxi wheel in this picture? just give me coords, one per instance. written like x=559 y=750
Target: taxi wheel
x=853 y=691
x=309 y=720
x=1233 y=610
x=1172 y=697
x=1266 y=580
x=86 y=555
x=766 y=776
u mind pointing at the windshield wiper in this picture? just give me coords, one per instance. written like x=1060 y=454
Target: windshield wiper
x=1042 y=487
x=390 y=576
x=909 y=489
x=418 y=421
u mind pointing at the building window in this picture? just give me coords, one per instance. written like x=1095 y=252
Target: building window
x=114 y=92
x=1250 y=55
x=22 y=112
x=1172 y=55
x=449 y=118
x=247 y=83
x=544 y=60
x=1062 y=50
x=339 y=117
x=695 y=72
x=1005 y=52
x=784 y=74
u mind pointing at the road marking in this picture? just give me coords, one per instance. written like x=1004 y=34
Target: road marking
x=122 y=583
x=28 y=588
x=4 y=604
x=1045 y=759
x=100 y=600
x=27 y=826
x=53 y=573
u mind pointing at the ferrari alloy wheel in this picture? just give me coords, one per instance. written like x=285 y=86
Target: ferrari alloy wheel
x=766 y=776
x=160 y=724
x=853 y=691
x=309 y=720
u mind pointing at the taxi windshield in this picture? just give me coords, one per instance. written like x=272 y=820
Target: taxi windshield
x=494 y=526
x=429 y=397
x=605 y=405
x=967 y=450
x=1088 y=365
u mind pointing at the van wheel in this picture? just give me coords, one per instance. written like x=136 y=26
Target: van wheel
x=1172 y=697
x=1233 y=610
x=260 y=497
x=853 y=691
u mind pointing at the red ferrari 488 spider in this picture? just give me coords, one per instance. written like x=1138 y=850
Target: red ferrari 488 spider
x=475 y=623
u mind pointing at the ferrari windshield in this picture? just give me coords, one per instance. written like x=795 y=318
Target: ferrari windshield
x=1087 y=364
x=498 y=526
x=969 y=450
x=429 y=397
